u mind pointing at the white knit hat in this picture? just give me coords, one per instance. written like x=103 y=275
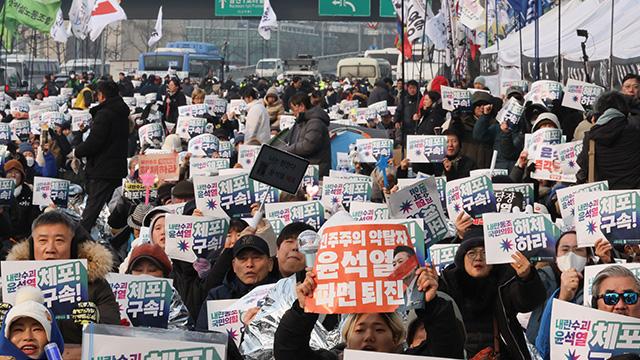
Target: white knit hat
x=29 y=303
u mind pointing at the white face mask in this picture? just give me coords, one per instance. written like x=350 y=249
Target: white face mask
x=140 y=122
x=571 y=260
x=30 y=161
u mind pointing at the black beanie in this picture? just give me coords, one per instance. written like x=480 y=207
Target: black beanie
x=467 y=244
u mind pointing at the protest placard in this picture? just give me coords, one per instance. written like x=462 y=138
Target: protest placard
x=542 y=137
x=405 y=183
x=136 y=192
x=207 y=166
x=566 y=199
x=129 y=100
x=507 y=200
x=544 y=92
x=287 y=121
x=556 y=162
x=591 y=271
x=152 y=134
x=347 y=106
x=526 y=189
x=190 y=237
x=190 y=127
x=20 y=130
x=580 y=95
x=534 y=235
x=442 y=255
x=204 y=145
x=137 y=343
x=311 y=182
x=247 y=155
x=355 y=271
x=63 y=282
x=487 y=172
x=426 y=148
x=471 y=195
x=226 y=321
x=344 y=191
x=279 y=169
x=472 y=13
x=283 y=214
x=379 y=107
x=368 y=211
x=47 y=191
x=225 y=149
x=143 y=300
x=195 y=110
x=80 y=117
x=141 y=101
x=610 y=215
x=7 y=187
x=441 y=184
x=365 y=116
x=372 y=355
x=579 y=332
x=215 y=105
x=506 y=84
x=370 y=150
x=236 y=107
x=52 y=118
x=511 y=112
x=164 y=166
x=19 y=106
x=455 y=98
x=350 y=176
x=6 y=132
x=226 y=195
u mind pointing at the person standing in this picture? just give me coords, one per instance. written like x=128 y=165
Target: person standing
x=105 y=149
x=174 y=99
x=257 y=125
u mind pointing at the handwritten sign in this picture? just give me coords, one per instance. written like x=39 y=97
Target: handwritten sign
x=143 y=300
x=611 y=215
x=426 y=148
x=48 y=191
x=192 y=237
x=164 y=166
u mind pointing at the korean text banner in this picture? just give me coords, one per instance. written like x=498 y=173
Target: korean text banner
x=354 y=269
x=343 y=191
x=63 y=282
x=566 y=200
x=283 y=214
x=48 y=191
x=224 y=320
x=611 y=215
x=229 y=195
x=426 y=148
x=225 y=149
x=591 y=271
x=544 y=92
x=247 y=155
x=471 y=195
x=455 y=98
x=580 y=95
x=190 y=127
x=136 y=192
x=533 y=235
x=368 y=211
x=557 y=162
x=5 y=133
x=545 y=136
x=204 y=145
x=143 y=300
x=20 y=130
x=525 y=188
x=164 y=166
x=7 y=188
x=506 y=84
x=192 y=237
x=152 y=134
x=370 y=150
x=579 y=332
x=442 y=255
x=511 y=113
x=207 y=166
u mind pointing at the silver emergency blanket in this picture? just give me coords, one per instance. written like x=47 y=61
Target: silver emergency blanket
x=260 y=333
x=178 y=313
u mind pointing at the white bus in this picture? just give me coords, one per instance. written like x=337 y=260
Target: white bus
x=84 y=65
x=360 y=68
x=389 y=54
x=32 y=69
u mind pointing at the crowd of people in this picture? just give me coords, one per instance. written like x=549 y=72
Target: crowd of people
x=471 y=309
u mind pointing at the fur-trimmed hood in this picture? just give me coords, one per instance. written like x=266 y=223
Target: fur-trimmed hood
x=99 y=259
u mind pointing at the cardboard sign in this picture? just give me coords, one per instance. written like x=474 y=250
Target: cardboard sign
x=247 y=155
x=7 y=187
x=507 y=200
x=557 y=162
x=283 y=214
x=192 y=237
x=506 y=84
x=80 y=117
x=580 y=95
x=455 y=98
x=287 y=121
x=370 y=150
x=368 y=211
x=190 y=127
x=136 y=192
x=443 y=255
x=611 y=215
x=196 y=110
x=152 y=134
x=48 y=191
x=279 y=169
x=204 y=145
x=566 y=199
x=207 y=166
x=526 y=189
x=471 y=195
x=591 y=271
x=542 y=137
x=534 y=235
x=511 y=112
x=579 y=332
x=365 y=116
x=63 y=282
x=20 y=130
x=118 y=342
x=143 y=300
x=164 y=166
x=426 y=148
x=344 y=191
x=225 y=149
x=6 y=133
x=544 y=92
x=355 y=271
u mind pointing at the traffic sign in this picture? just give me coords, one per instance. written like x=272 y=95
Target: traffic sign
x=239 y=7
x=387 y=9
x=344 y=7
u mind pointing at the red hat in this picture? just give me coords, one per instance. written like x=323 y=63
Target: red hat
x=151 y=252
x=437 y=82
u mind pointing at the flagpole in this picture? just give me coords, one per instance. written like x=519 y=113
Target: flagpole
x=521 y=55
x=559 y=40
x=486 y=24
x=537 y=43
x=402 y=39
x=611 y=46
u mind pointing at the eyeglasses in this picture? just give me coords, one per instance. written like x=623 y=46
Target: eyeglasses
x=630 y=298
x=474 y=254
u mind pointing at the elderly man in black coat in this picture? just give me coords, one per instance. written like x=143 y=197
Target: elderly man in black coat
x=105 y=150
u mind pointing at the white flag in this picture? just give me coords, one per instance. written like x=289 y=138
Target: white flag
x=58 y=32
x=268 y=21
x=156 y=35
x=79 y=17
x=418 y=13
x=104 y=13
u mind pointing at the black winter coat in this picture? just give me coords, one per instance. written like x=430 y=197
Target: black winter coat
x=22 y=213
x=445 y=337
x=502 y=294
x=407 y=107
x=309 y=138
x=380 y=93
x=430 y=119
x=106 y=147
x=173 y=102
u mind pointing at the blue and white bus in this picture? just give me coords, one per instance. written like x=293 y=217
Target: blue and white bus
x=195 y=58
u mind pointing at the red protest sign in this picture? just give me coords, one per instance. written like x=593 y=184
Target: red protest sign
x=164 y=166
x=354 y=269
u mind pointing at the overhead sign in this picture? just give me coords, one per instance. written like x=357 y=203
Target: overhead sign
x=239 y=7
x=344 y=7
x=387 y=9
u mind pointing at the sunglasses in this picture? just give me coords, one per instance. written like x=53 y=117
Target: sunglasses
x=630 y=298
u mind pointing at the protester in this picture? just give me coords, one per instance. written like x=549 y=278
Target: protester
x=407 y=110
x=274 y=106
x=615 y=289
x=631 y=85
x=187 y=87
x=257 y=119
x=21 y=212
x=290 y=91
x=174 y=99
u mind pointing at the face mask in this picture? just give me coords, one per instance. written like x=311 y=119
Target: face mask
x=571 y=260
x=140 y=122
x=30 y=161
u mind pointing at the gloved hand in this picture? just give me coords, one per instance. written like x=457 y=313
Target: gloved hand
x=202 y=266
x=4 y=309
x=86 y=313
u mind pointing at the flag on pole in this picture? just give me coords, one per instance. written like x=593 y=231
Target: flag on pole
x=156 y=35
x=79 y=17
x=58 y=32
x=402 y=43
x=104 y=13
x=22 y=12
x=269 y=20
